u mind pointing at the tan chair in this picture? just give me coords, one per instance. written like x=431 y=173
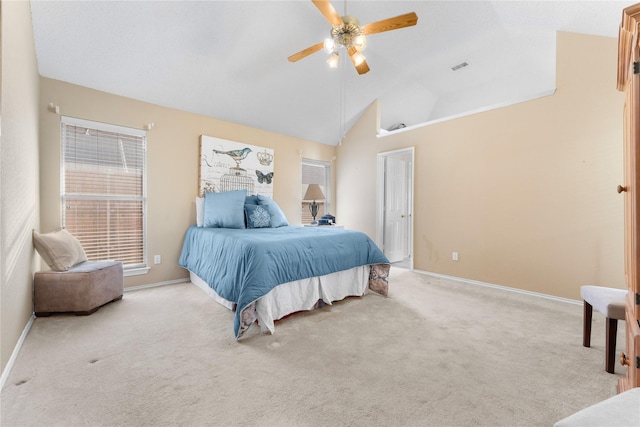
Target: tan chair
x=80 y=290
x=609 y=302
x=73 y=284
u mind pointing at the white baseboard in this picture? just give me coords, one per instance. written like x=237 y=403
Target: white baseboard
x=500 y=287
x=154 y=285
x=16 y=350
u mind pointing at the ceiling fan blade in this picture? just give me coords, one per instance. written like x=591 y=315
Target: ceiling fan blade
x=406 y=20
x=306 y=52
x=325 y=7
x=361 y=68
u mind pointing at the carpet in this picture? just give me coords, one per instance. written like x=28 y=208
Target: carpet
x=436 y=352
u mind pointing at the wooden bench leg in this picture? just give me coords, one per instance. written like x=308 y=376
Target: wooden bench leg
x=586 y=327
x=610 y=357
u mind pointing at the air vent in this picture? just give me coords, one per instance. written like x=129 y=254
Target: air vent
x=461 y=65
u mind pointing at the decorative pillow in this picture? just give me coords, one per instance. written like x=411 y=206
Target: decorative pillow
x=277 y=216
x=59 y=249
x=257 y=216
x=251 y=200
x=199 y=211
x=225 y=210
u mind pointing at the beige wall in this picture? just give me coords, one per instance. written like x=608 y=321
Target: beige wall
x=173 y=159
x=525 y=194
x=18 y=173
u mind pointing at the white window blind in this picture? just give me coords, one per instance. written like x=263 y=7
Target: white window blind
x=104 y=190
x=315 y=172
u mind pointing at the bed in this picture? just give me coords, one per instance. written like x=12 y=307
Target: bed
x=268 y=273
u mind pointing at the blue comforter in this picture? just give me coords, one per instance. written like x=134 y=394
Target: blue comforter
x=242 y=265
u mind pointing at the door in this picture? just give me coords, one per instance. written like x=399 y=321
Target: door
x=395 y=225
x=396 y=210
x=629 y=83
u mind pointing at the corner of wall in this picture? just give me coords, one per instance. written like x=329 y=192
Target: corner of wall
x=356 y=173
x=19 y=206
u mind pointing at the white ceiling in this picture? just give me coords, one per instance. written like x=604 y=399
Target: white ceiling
x=228 y=59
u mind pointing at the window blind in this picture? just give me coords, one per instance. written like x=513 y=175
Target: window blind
x=103 y=190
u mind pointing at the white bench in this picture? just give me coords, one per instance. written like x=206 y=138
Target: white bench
x=611 y=303
x=622 y=410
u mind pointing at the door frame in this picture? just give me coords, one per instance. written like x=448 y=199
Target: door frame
x=380 y=197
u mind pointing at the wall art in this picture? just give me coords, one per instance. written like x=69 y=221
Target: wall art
x=229 y=165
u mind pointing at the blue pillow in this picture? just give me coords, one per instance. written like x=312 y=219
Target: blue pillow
x=225 y=210
x=251 y=200
x=257 y=216
x=277 y=216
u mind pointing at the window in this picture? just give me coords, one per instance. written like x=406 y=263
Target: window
x=104 y=191
x=315 y=172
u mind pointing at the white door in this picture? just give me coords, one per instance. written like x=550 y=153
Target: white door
x=396 y=209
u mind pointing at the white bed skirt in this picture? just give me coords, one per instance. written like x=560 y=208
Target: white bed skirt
x=299 y=295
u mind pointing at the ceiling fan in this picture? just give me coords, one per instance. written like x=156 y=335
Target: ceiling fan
x=346 y=32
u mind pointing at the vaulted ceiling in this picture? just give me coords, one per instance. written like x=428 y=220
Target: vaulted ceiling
x=228 y=59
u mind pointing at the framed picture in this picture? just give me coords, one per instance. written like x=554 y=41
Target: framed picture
x=229 y=165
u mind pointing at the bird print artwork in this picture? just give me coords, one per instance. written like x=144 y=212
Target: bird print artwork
x=264 y=177
x=231 y=165
x=237 y=155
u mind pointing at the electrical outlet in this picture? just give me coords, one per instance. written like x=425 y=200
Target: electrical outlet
x=454 y=256
x=157 y=259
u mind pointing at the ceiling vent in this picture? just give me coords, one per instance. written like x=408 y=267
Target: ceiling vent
x=461 y=65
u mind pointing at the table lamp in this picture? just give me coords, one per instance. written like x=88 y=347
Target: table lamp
x=313 y=193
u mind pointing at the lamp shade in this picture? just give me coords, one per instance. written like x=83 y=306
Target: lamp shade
x=313 y=192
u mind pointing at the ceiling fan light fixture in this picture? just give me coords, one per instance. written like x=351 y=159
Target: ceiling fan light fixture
x=358 y=58
x=329 y=45
x=333 y=60
x=360 y=42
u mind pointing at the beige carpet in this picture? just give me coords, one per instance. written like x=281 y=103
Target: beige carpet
x=434 y=353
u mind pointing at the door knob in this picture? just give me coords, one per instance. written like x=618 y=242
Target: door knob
x=401 y=216
x=623 y=359
x=621 y=188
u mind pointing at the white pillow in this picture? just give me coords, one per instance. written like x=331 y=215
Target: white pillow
x=199 y=211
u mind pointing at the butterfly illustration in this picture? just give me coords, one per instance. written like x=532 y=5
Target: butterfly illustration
x=264 y=177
